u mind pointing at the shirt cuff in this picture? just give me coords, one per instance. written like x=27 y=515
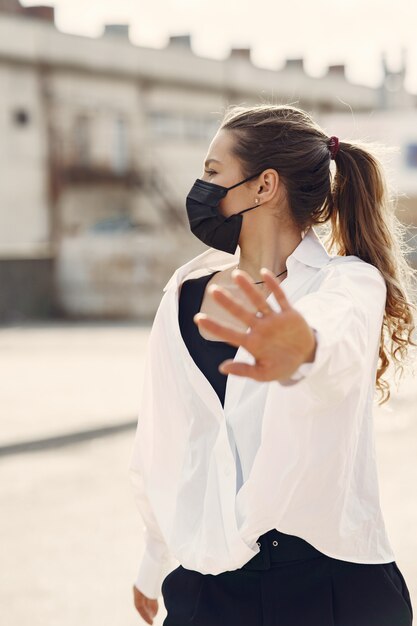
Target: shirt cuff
x=151 y=574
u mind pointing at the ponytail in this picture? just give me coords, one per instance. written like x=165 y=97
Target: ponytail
x=363 y=223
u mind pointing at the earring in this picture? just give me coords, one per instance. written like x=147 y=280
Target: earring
x=256 y=200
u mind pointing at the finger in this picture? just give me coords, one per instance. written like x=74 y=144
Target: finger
x=145 y=615
x=244 y=281
x=272 y=283
x=240 y=369
x=224 y=298
x=223 y=332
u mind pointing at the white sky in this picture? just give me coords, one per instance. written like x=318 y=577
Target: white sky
x=355 y=32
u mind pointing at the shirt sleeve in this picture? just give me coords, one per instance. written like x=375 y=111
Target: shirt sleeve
x=156 y=560
x=346 y=314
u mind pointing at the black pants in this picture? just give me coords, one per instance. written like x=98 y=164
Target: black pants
x=289 y=583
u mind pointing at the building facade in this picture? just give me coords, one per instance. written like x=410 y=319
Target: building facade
x=102 y=140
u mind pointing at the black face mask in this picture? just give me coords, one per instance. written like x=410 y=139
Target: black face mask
x=206 y=222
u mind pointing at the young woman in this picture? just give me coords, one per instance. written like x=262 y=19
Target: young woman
x=254 y=462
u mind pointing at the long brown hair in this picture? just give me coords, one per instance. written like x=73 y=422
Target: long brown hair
x=356 y=202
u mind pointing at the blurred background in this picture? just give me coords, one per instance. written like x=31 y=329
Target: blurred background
x=107 y=109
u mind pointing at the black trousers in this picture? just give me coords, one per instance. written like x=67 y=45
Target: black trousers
x=289 y=583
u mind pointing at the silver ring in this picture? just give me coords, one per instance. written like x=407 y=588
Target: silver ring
x=261 y=313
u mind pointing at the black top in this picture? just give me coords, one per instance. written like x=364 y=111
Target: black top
x=207 y=354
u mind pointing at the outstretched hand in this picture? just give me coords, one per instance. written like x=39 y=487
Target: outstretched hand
x=279 y=341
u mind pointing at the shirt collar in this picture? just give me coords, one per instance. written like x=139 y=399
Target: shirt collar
x=310 y=251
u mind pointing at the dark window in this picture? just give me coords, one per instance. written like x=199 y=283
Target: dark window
x=120 y=145
x=81 y=138
x=20 y=117
x=411 y=155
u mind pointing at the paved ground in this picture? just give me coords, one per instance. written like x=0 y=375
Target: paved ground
x=70 y=532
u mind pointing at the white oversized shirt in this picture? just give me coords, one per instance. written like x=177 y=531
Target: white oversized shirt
x=306 y=445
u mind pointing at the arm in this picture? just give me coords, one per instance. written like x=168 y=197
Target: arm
x=156 y=560
x=345 y=314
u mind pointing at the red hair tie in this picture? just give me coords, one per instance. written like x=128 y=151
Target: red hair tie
x=334 y=146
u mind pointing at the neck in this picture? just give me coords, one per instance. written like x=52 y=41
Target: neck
x=269 y=249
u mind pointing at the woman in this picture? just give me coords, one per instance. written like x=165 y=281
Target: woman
x=254 y=462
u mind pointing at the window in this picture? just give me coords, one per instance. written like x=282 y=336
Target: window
x=182 y=125
x=166 y=124
x=21 y=117
x=120 y=146
x=82 y=140
x=411 y=155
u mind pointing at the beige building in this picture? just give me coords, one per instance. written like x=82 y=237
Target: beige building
x=102 y=141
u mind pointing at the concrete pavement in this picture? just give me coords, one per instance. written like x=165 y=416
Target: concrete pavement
x=71 y=535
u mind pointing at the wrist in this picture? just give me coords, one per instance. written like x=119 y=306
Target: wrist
x=312 y=352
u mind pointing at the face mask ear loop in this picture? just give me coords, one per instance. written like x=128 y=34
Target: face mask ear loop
x=244 y=181
x=251 y=207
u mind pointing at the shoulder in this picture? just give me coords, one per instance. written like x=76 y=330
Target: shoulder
x=357 y=283
x=352 y=266
x=199 y=282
